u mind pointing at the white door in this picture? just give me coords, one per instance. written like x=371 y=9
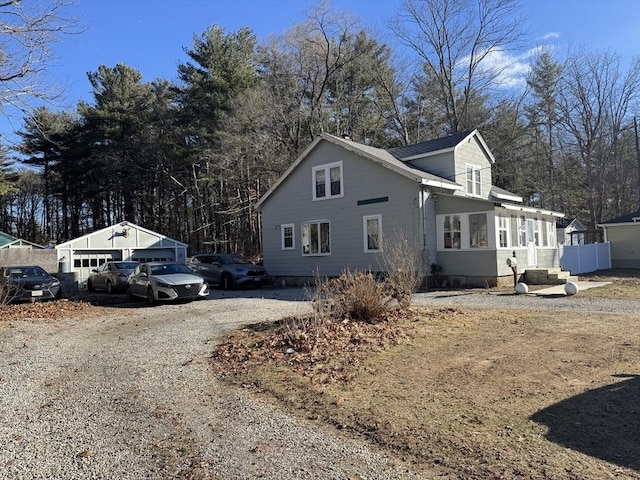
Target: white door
x=532 y=251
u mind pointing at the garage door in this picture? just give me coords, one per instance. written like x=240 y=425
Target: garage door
x=153 y=255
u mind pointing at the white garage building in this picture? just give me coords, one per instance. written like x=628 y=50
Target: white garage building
x=122 y=241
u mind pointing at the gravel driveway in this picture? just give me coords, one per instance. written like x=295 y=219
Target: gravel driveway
x=131 y=396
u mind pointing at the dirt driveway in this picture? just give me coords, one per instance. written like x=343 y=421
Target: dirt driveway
x=129 y=394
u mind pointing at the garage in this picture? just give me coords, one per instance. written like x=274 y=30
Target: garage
x=122 y=241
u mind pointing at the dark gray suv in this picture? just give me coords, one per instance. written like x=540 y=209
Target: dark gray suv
x=228 y=270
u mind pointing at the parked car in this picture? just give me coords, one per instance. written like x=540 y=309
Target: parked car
x=26 y=283
x=165 y=281
x=111 y=276
x=228 y=270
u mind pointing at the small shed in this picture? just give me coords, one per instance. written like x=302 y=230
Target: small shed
x=570 y=232
x=122 y=241
x=623 y=233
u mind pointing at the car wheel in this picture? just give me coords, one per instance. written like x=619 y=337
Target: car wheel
x=109 y=287
x=90 y=286
x=226 y=282
x=130 y=296
x=150 y=299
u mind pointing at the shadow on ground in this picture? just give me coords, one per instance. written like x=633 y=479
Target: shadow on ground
x=603 y=423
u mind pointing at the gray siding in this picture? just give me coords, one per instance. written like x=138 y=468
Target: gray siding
x=441 y=164
x=470 y=263
x=293 y=203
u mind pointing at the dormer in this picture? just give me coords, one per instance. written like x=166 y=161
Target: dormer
x=463 y=158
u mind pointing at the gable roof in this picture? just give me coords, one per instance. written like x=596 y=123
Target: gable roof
x=6 y=239
x=633 y=217
x=377 y=155
x=111 y=228
x=439 y=145
x=9 y=241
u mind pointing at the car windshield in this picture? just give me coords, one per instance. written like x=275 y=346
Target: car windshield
x=236 y=260
x=26 y=272
x=169 y=268
x=126 y=265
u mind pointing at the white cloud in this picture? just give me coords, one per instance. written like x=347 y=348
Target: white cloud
x=551 y=35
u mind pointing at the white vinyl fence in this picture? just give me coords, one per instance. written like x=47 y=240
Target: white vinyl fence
x=585 y=258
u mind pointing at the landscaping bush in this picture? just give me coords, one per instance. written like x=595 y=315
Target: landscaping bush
x=355 y=296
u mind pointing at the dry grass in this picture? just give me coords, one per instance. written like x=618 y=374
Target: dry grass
x=625 y=284
x=464 y=393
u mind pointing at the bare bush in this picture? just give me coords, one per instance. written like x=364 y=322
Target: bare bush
x=401 y=261
x=356 y=296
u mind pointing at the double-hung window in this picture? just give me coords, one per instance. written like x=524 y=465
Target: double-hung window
x=372 y=229
x=503 y=231
x=474 y=180
x=452 y=231
x=287 y=237
x=316 y=238
x=478 y=232
x=327 y=181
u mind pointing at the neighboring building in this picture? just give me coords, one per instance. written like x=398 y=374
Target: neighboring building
x=623 y=234
x=16 y=251
x=9 y=241
x=122 y=241
x=339 y=201
x=570 y=232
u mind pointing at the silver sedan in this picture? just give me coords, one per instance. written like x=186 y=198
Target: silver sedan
x=165 y=281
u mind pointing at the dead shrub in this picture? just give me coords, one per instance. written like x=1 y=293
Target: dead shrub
x=401 y=262
x=355 y=296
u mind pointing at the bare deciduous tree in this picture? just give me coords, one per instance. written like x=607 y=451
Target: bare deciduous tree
x=27 y=32
x=455 y=40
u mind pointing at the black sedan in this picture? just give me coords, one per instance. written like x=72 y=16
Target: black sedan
x=26 y=283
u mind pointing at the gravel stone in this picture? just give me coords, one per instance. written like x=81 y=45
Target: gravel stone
x=132 y=396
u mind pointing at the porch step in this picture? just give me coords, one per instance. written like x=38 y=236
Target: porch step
x=548 y=276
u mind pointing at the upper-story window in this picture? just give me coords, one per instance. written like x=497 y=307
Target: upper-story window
x=474 y=180
x=327 y=181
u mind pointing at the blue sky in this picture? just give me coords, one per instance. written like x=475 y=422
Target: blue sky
x=149 y=35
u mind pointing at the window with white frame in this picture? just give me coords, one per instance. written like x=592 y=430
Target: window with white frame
x=503 y=232
x=523 y=231
x=551 y=232
x=478 y=232
x=544 y=237
x=515 y=231
x=287 y=236
x=372 y=229
x=536 y=232
x=327 y=181
x=316 y=238
x=474 y=180
x=452 y=237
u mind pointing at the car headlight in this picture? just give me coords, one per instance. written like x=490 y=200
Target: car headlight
x=162 y=284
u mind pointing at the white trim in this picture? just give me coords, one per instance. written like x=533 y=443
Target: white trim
x=283 y=227
x=326 y=168
x=428 y=154
x=474 y=169
x=302 y=244
x=503 y=196
x=441 y=184
x=365 y=232
x=520 y=208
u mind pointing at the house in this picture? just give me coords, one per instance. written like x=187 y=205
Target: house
x=17 y=251
x=337 y=204
x=122 y=241
x=623 y=235
x=9 y=241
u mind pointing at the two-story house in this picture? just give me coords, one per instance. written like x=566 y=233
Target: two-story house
x=339 y=203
